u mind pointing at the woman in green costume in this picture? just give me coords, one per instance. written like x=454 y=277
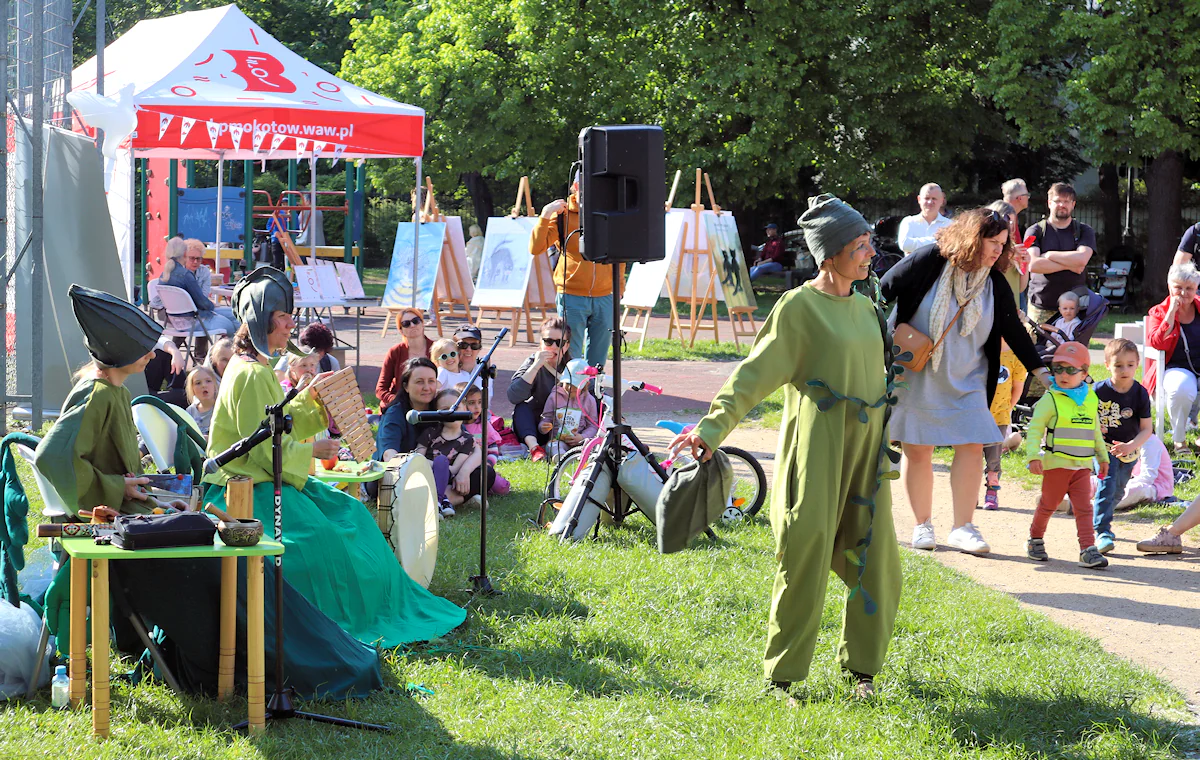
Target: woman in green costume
x=91 y=455
x=830 y=505
x=336 y=555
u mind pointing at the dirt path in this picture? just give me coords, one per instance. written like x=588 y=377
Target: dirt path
x=1143 y=608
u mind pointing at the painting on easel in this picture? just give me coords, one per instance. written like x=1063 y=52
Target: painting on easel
x=398 y=293
x=505 y=267
x=729 y=260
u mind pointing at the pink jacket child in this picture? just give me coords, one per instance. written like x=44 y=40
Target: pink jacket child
x=569 y=411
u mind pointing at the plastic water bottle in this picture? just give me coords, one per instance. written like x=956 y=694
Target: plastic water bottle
x=60 y=689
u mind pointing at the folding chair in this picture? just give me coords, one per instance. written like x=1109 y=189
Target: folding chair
x=183 y=318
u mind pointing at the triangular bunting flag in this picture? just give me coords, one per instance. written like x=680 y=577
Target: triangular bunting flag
x=164 y=121
x=318 y=147
x=337 y=153
x=276 y=141
x=259 y=136
x=235 y=132
x=301 y=147
x=185 y=126
x=214 y=131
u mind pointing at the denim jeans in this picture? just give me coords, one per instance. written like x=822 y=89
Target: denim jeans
x=767 y=267
x=590 y=317
x=1111 y=490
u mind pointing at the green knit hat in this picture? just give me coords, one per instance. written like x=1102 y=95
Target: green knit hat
x=829 y=225
x=263 y=292
x=115 y=331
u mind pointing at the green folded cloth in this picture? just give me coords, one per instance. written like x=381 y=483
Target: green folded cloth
x=695 y=496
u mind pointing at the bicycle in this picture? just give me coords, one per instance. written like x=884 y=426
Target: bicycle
x=747 y=494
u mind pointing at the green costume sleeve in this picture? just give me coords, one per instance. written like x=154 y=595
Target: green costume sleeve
x=247 y=389
x=91 y=447
x=766 y=369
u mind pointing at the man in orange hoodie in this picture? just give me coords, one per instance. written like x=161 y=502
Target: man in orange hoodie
x=585 y=288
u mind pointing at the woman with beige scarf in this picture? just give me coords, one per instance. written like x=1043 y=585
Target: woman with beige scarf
x=955 y=291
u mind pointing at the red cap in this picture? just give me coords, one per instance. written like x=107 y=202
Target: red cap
x=1074 y=354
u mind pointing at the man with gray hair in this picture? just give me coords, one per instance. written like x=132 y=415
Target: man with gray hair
x=1016 y=194
x=917 y=231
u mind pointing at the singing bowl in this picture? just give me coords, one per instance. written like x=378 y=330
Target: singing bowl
x=240 y=532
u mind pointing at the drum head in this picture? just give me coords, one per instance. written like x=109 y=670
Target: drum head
x=415 y=517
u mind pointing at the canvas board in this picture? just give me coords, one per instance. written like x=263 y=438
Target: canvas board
x=399 y=291
x=327 y=282
x=647 y=279
x=732 y=273
x=504 y=271
x=349 y=279
x=461 y=289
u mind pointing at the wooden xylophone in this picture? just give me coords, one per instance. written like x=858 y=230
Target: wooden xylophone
x=343 y=402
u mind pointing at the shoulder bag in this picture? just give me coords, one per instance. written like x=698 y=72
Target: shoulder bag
x=909 y=339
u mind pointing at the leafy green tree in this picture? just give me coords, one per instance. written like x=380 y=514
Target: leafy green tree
x=1124 y=76
x=772 y=97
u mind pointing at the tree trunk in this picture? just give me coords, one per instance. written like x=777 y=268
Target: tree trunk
x=1110 y=206
x=1164 y=195
x=481 y=197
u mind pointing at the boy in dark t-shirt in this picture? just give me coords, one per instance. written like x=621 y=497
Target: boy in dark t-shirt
x=1125 y=423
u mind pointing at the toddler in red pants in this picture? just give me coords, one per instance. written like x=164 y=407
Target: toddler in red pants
x=1066 y=418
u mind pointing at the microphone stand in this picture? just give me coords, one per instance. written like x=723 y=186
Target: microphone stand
x=280 y=706
x=481 y=584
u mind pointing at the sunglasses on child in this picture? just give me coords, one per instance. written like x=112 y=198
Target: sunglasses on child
x=553 y=341
x=411 y=322
x=465 y=346
x=450 y=355
x=1065 y=369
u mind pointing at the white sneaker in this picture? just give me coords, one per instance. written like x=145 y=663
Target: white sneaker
x=447 y=510
x=923 y=537
x=968 y=539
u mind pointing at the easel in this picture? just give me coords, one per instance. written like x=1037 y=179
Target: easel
x=445 y=301
x=542 y=281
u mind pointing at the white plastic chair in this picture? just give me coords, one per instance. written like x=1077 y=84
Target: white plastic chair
x=183 y=317
x=1136 y=332
x=159 y=432
x=52 y=506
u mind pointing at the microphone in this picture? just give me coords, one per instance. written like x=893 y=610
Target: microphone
x=239 y=449
x=416 y=418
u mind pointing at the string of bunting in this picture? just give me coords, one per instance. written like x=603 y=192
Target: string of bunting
x=236 y=131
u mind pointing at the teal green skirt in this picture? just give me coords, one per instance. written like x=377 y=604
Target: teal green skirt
x=337 y=558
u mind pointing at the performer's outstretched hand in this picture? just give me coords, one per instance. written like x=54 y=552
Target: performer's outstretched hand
x=699 y=448
x=133 y=488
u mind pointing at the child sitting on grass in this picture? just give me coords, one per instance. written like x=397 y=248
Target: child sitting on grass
x=1008 y=388
x=570 y=417
x=1124 y=414
x=1063 y=329
x=474 y=404
x=1066 y=417
x=458 y=447
x=201 y=388
x=445 y=355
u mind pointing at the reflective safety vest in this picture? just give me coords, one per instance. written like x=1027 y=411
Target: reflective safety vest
x=1073 y=435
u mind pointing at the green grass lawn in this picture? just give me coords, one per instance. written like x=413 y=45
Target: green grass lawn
x=610 y=650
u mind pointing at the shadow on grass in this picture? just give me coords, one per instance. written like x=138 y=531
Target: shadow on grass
x=1058 y=724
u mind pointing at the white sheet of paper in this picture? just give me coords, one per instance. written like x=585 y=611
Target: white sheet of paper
x=308 y=284
x=348 y=276
x=327 y=281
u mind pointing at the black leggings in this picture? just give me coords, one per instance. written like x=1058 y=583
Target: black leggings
x=525 y=422
x=159 y=371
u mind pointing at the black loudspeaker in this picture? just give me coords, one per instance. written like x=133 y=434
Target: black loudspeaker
x=622 y=194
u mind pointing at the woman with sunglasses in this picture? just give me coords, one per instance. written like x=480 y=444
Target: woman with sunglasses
x=955 y=291
x=469 y=339
x=412 y=343
x=534 y=381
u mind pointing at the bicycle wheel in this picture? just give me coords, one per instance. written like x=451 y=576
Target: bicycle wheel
x=560 y=482
x=749 y=491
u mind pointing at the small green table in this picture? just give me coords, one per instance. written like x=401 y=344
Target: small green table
x=83 y=550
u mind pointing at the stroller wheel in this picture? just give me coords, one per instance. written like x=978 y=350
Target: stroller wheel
x=732 y=515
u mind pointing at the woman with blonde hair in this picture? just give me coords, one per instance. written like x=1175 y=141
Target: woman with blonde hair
x=955 y=293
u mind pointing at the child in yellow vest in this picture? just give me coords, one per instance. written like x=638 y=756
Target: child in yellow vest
x=1008 y=391
x=1067 y=417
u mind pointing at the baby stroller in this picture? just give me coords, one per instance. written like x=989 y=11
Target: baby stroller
x=1092 y=308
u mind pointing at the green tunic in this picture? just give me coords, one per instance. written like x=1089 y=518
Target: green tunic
x=335 y=555
x=827 y=473
x=90 y=448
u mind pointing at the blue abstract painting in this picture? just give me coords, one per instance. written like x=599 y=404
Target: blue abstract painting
x=399 y=291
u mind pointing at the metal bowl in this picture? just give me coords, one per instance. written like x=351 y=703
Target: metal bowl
x=240 y=532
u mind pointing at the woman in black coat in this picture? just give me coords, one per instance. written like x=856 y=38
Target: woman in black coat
x=947 y=403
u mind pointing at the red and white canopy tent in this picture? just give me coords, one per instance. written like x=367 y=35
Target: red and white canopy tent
x=212 y=84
